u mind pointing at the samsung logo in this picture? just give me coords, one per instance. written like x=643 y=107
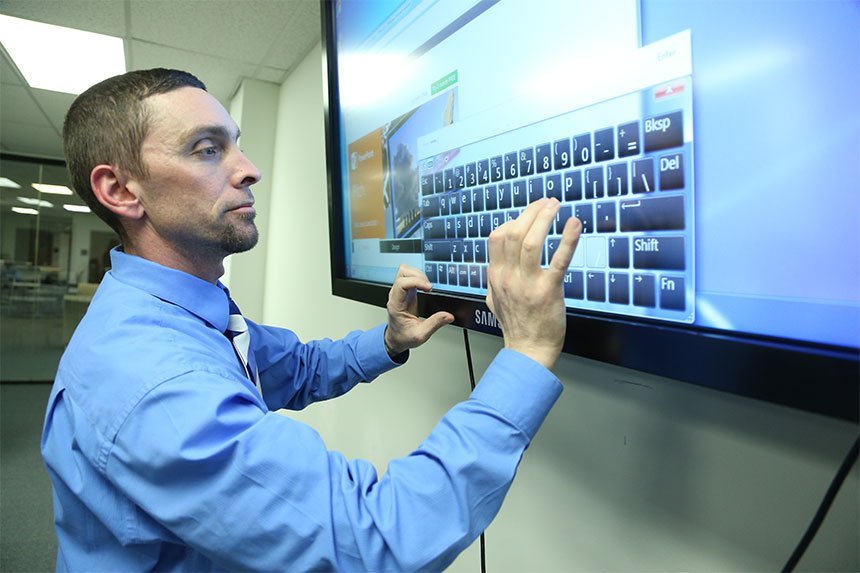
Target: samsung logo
x=486 y=318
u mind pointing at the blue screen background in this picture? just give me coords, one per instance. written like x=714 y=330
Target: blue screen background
x=776 y=106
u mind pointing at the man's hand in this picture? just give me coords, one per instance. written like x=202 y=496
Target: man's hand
x=528 y=300
x=405 y=329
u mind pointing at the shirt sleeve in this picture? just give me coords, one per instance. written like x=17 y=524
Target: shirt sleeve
x=260 y=491
x=295 y=374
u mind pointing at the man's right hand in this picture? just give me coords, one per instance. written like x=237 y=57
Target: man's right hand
x=528 y=300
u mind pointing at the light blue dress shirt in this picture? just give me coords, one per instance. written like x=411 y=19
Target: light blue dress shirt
x=163 y=455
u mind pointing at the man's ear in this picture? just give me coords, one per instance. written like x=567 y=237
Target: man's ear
x=111 y=189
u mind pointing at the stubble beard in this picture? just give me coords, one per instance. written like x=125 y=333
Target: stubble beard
x=240 y=236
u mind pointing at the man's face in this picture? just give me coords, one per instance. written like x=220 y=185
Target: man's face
x=197 y=197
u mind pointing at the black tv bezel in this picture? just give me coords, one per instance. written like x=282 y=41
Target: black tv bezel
x=816 y=378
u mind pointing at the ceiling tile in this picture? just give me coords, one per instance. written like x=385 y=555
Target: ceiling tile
x=55 y=105
x=240 y=31
x=19 y=107
x=23 y=139
x=101 y=16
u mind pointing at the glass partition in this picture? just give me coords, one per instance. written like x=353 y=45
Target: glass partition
x=53 y=254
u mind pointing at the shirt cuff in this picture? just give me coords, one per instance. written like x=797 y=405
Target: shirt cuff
x=521 y=389
x=371 y=351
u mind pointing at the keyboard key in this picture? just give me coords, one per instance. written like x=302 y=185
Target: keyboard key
x=468 y=251
x=535 y=186
x=475 y=276
x=619 y=288
x=461 y=227
x=573 y=285
x=453 y=278
x=572 y=184
x=605 y=215
x=520 y=196
x=552 y=244
x=483 y=170
x=595 y=252
x=427 y=184
x=504 y=196
x=497 y=171
x=449 y=179
x=511 y=165
x=643 y=176
x=438 y=182
x=582 y=149
x=442 y=273
x=672 y=172
x=484 y=224
x=594 y=183
x=585 y=214
x=430 y=271
x=553 y=186
x=561 y=154
x=434 y=228
x=459 y=177
x=527 y=161
x=463 y=275
x=472 y=227
x=643 y=291
x=430 y=206
x=565 y=212
x=471 y=175
x=628 y=139
x=657 y=214
x=477 y=199
x=616 y=179
x=659 y=253
x=454 y=203
x=483 y=277
x=672 y=293
x=480 y=251
x=490 y=198
x=543 y=158
x=456 y=251
x=664 y=131
x=595 y=286
x=437 y=250
x=466 y=202
x=619 y=252
x=604 y=144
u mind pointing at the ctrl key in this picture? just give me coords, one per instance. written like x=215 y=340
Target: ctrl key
x=672 y=293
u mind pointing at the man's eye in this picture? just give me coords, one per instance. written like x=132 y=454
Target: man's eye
x=209 y=151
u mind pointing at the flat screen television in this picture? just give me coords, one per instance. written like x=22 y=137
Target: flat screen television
x=711 y=150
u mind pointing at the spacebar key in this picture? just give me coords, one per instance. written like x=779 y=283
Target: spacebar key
x=658 y=214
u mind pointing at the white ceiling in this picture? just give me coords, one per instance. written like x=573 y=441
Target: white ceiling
x=219 y=41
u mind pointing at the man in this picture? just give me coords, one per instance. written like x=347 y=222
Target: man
x=160 y=437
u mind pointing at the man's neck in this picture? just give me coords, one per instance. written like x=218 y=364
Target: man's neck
x=209 y=268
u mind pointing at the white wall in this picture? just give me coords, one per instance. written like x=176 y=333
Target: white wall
x=630 y=472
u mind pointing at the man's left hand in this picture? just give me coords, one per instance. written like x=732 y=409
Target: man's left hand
x=405 y=329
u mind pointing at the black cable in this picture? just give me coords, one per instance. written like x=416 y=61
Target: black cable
x=472 y=384
x=847 y=464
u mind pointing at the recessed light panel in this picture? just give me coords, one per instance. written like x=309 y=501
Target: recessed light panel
x=61 y=59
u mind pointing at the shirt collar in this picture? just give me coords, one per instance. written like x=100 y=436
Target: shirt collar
x=203 y=299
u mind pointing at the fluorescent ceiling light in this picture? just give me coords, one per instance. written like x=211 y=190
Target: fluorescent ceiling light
x=53 y=189
x=6 y=182
x=35 y=202
x=25 y=210
x=77 y=208
x=61 y=59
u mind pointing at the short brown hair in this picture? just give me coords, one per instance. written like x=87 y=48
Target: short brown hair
x=108 y=123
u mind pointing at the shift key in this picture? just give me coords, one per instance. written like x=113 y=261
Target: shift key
x=657 y=214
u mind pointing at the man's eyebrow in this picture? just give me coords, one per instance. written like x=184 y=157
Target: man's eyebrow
x=202 y=132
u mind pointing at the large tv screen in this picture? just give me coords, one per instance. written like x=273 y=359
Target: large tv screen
x=710 y=149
